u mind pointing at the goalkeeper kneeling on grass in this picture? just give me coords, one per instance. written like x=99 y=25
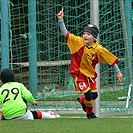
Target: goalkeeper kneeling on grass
x=14 y=97
x=86 y=52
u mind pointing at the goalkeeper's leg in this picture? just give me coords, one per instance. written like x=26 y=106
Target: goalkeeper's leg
x=40 y=115
x=44 y=115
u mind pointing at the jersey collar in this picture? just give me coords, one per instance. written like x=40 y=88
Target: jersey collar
x=94 y=45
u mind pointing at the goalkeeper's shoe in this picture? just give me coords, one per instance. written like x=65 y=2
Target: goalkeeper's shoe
x=54 y=115
x=92 y=116
x=83 y=105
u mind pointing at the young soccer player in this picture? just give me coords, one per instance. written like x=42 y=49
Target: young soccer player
x=14 y=97
x=86 y=52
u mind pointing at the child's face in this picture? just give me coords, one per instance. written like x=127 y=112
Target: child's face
x=88 y=38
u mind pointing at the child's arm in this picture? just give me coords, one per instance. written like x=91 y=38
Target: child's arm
x=118 y=73
x=61 y=22
x=63 y=28
x=116 y=68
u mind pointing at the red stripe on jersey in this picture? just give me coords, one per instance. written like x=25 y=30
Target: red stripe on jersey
x=67 y=35
x=115 y=62
x=76 y=60
x=94 y=62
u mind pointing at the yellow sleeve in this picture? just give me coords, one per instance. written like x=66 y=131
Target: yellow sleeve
x=74 y=42
x=107 y=57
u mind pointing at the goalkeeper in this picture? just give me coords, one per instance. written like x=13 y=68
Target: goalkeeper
x=86 y=52
x=14 y=97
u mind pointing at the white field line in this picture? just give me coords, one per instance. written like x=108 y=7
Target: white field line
x=79 y=117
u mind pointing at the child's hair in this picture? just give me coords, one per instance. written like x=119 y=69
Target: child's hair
x=7 y=75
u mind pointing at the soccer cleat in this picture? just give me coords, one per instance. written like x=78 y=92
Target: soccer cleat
x=92 y=116
x=83 y=106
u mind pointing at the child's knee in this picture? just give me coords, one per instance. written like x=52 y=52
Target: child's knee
x=95 y=95
x=88 y=95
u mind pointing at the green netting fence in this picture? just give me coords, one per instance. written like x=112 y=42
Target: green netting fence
x=35 y=23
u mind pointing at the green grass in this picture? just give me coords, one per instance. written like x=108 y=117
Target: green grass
x=69 y=124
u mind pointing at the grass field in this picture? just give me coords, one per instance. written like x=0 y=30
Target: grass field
x=70 y=124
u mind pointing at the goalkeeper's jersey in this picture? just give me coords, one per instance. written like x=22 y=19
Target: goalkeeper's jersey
x=11 y=99
x=85 y=58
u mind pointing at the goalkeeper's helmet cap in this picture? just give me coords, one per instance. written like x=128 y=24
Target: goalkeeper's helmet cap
x=92 y=29
x=7 y=75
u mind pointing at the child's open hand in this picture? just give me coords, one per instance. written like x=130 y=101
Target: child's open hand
x=61 y=14
x=119 y=77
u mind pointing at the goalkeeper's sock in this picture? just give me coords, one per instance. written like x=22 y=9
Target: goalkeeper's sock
x=47 y=115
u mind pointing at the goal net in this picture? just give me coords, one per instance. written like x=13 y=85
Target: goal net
x=40 y=57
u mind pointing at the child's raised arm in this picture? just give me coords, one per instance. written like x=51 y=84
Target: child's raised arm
x=61 y=22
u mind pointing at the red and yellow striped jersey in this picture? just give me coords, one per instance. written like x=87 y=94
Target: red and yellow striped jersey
x=84 y=57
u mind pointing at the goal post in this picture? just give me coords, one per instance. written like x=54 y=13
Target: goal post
x=94 y=19
x=126 y=26
x=5 y=34
x=32 y=47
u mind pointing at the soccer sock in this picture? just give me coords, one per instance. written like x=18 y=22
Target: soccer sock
x=89 y=106
x=89 y=110
x=46 y=115
x=39 y=115
x=82 y=100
